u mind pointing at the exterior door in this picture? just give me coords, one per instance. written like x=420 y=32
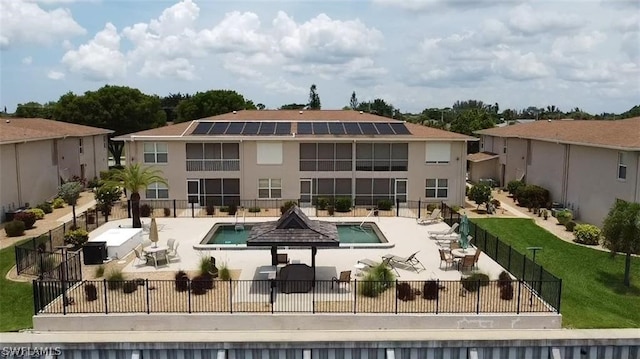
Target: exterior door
x=193 y=192
x=401 y=190
x=306 y=191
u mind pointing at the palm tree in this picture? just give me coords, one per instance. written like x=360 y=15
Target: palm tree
x=622 y=232
x=136 y=178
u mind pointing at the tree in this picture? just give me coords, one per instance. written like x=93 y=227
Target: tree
x=118 y=108
x=621 y=232
x=169 y=104
x=136 y=178
x=70 y=193
x=378 y=107
x=314 y=99
x=261 y=106
x=211 y=103
x=470 y=120
x=35 y=110
x=353 y=102
x=293 y=106
x=106 y=195
x=480 y=194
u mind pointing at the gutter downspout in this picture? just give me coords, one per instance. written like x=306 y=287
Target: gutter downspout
x=18 y=189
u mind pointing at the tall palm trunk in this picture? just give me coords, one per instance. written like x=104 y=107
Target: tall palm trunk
x=135 y=210
x=73 y=210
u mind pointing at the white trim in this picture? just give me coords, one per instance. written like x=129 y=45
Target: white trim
x=622 y=163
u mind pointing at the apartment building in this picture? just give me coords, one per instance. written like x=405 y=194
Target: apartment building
x=305 y=155
x=586 y=165
x=36 y=154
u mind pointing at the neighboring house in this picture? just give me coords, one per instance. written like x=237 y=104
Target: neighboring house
x=585 y=165
x=282 y=154
x=35 y=154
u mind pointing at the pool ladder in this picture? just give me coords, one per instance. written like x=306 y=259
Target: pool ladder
x=240 y=226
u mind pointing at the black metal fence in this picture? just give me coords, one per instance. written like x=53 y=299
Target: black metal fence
x=268 y=296
x=516 y=263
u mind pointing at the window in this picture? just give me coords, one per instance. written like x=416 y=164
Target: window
x=504 y=145
x=105 y=141
x=622 y=166
x=438 y=152
x=269 y=153
x=155 y=152
x=325 y=157
x=270 y=188
x=481 y=143
x=382 y=156
x=157 y=191
x=437 y=188
x=80 y=145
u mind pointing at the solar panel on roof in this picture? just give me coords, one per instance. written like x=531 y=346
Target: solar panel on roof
x=320 y=128
x=400 y=128
x=218 y=128
x=368 y=128
x=384 y=128
x=352 y=128
x=251 y=128
x=336 y=128
x=304 y=128
x=235 y=128
x=267 y=128
x=202 y=128
x=283 y=128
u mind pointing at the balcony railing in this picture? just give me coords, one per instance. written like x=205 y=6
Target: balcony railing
x=213 y=165
x=325 y=165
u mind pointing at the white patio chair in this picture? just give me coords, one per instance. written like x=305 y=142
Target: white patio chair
x=448 y=232
x=434 y=217
x=173 y=253
x=170 y=243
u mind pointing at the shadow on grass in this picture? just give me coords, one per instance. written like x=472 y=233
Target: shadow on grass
x=615 y=283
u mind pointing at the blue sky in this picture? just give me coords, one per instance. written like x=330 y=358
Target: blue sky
x=414 y=54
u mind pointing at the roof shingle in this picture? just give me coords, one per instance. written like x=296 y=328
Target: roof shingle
x=33 y=129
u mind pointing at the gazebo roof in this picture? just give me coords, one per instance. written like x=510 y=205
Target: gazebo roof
x=294 y=228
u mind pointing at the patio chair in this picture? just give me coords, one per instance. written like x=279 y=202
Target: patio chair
x=411 y=261
x=173 y=252
x=370 y=263
x=141 y=258
x=170 y=243
x=476 y=256
x=454 y=245
x=146 y=243
x=345 y=277
x=146 y=227
x=448 y=232
x=467 y=262
x=282 y=258
x=447 y=258
x=434 y=217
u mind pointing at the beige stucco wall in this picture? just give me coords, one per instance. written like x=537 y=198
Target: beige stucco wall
x=594 y=184
x=483 y=169
x=288 y=172
x=515 y=159
x=547 y=167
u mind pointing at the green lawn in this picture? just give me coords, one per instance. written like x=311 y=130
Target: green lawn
x=593 y=295
x=16 y=298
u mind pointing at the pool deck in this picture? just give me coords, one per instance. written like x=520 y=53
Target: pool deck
x=404 y=235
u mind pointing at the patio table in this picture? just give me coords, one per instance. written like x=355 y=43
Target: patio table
x=460 y=253
x=158 y=252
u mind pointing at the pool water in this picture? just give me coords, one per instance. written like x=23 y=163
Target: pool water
x=347 y=233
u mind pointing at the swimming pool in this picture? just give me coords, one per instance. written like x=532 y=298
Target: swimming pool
x=348 y=233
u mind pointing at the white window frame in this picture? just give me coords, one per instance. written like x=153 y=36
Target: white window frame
x=438 y=152
x=158 y=189
x=80 y=143
x=269 y=153
x=622 y=164
x=157 y=151
x=438 y=187
x=269 y=188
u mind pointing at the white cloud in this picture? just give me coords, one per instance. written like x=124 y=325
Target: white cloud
x=179 y=68
x=27 y=60
x=430 y=5
x=581 y=43
x=517 y=66
x=238 y=33
x=55 y=75
x=100 y=58
x=282 y=85
x=525 y=19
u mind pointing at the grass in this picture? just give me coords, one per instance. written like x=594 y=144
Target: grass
x=16 y=301
x=593 y=295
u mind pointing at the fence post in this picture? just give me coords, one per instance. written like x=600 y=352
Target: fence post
x=519 y=292
x=128 y=209
x=174 y=209
x=509 y=259
x=497 y=240
x=192 y=210
x=396 y=310
x=86 y=220
x=355 y=295
x=104 y=290
x=559 y=283
x=189 y=296
x=36 y=297
x=397 y=207
x=230 y=296
x=64 y=227
x=65 y=299
x=524 y=266
x=147 y=288
x=437 y=296
x=419 y=209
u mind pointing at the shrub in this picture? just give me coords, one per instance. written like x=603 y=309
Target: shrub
x=472 y=282
x=456 y=208
x=564 y=216
x=90 y=292
x=166 y=211
x=504 y=278
x=331 y=210
x=570 y=226
x=199 y=285
x=36 y=212
x=58 y=203
x=322 y=203
x=532 y=196
x=379 y=279
x=480 y=194
x=385 y=205
x=115 y=278
x=224 y=272
x=495 y=203
x=46 y=263
x=233 y=209
x=29 y=219
x=93 y=183
x=431 y=207
x=513 y=186
x=430 y=290
x=285 y=207
x=182 y=281
x=205 y=265
x=129 y=286
x=224 y=209
x=109 y=175
x=145 y=210
x=76 y=237
x=14 y=228
x=405 y=292
x=211 y=209
x=343 y=204
x=254 y=210
x=99 y=271
x=46 y=207
x=77 y=179
x=587 y=234
x=506 y=291
x=106 y=195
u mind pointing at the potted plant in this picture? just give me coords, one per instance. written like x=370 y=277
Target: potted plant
x=77 y=238
x=545 y=214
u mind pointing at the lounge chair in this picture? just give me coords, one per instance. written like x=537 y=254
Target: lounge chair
x=448 y=232
x=345 y=277
x=370 y=263
x=434 y=217
x=409 y=261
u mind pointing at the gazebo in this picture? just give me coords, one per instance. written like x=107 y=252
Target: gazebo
x=294 y=229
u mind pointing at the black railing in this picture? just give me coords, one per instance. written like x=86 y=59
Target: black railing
x=268 y=296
